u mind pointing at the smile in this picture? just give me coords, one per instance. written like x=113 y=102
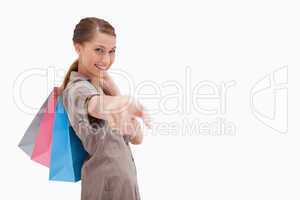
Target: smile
x=100 y=67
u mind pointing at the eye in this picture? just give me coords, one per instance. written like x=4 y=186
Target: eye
x=99 y=50
x=112 y=52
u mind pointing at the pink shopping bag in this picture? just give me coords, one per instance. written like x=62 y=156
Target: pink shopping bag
x=42 y=147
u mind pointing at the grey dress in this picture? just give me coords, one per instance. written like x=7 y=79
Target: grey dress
x=109 y=173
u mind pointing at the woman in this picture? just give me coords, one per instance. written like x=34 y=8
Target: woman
x=104 y=120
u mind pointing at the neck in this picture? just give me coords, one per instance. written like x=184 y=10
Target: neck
x=82 y=70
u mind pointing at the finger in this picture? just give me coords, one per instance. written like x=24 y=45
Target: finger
x=138 y=110
x=128 y=127
x=147 y=120
x=132 y=128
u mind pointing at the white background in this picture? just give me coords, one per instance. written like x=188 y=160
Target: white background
x=220 y=41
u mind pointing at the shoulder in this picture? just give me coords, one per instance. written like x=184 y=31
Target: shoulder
x=77 y=84
x=80 y=88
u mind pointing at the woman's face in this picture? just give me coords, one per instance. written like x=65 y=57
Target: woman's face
x=96 y=55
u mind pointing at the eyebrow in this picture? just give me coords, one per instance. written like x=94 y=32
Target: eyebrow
x=100 y=45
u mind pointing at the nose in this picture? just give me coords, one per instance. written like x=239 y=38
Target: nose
x=105 y=60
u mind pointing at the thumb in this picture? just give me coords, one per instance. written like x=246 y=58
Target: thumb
x=143 y=114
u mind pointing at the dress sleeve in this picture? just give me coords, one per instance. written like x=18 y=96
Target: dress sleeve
x=75 y=99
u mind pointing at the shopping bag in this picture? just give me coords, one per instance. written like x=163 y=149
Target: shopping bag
x=67 y=152
x=28 y=140
x=42 y=146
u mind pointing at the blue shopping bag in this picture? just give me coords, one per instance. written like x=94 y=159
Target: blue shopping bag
x=67 y=152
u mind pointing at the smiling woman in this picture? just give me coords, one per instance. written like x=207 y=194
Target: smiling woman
x=91 y=97
x=99 y=52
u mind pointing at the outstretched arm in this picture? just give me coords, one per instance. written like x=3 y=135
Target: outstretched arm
x=112 y=100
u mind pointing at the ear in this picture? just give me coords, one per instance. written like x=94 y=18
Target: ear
x=77 y=47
